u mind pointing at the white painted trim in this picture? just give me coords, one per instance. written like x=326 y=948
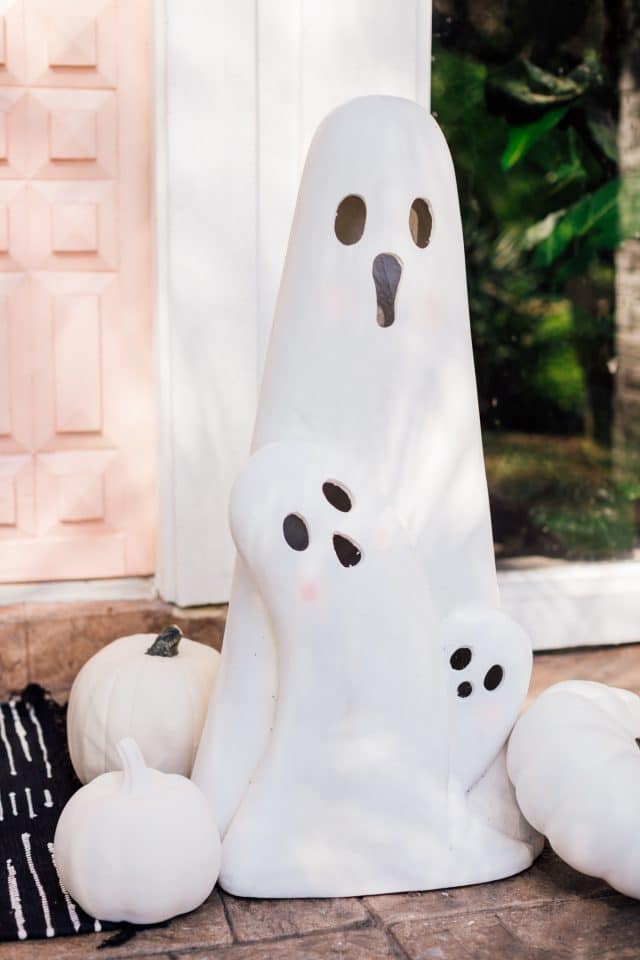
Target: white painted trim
x=561 y=606
x=165 y=535
x=575 y=604
x=423 y=52
x=205 y=192
x=78 y=591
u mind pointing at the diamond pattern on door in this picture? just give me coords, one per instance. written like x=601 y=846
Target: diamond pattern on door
x=14 y=107
x=73 y=225
x=74 y=228
x=14 y=220
x=75 y=44
x=4 y=228
x=5 y=387
x=77 y=481
x=73 y=134
x=16 y=401
x=12 y=45
x=76 y=332
x=72 y=42
x=76 y=390
x=16 y=480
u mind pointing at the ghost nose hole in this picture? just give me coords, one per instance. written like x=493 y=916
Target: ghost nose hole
x=387 y=270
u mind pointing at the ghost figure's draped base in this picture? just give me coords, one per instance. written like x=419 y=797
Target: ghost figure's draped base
x=343 y=752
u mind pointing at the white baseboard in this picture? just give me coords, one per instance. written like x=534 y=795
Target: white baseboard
x=575 y=604
x=561 y=605
x=78 y=591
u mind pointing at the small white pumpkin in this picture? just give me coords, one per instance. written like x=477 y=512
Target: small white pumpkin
x=139 y=845
x=154 y=689
x=574 y=760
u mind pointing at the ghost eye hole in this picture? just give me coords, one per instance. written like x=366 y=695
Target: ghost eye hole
x=493 y=677
x=351 y=217
x=420 y=222
x=337 y=495
x=460 y=658
x=295 y=531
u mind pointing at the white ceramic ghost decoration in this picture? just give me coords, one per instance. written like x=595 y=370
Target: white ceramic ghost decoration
x=348 y=748
x=489 y=662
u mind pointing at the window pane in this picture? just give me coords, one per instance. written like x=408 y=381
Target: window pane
x=535 y=101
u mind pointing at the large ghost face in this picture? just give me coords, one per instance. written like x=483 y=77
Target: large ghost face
x=349 y=226
x=377 y=226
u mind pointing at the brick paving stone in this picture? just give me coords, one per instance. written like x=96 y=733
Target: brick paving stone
x=359 y=944
x=205 y=927
x=565 y=882
x=265 y=919
x=547 y=880
x=13 y=654
x=600 y=929
x=618 y=666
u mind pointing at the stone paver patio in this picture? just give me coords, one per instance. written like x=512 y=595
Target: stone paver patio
x=548 y=913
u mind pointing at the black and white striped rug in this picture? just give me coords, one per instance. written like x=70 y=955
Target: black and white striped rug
x=36 y=780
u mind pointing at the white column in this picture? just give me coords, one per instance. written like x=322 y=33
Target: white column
x=241 y=86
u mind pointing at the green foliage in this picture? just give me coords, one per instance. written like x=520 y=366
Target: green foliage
x=556 y=496
x=535 y=152
x=521 y=139
x=527 y=97
x=523 y=84
x=603 y=130
x=594 y=217
x=592 y=531
x=560 y=377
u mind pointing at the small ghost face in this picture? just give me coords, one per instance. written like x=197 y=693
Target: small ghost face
x=295 y=531
x=288 y=517
x=489 y=663
x=460 y=660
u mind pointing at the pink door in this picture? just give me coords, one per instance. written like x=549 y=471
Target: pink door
x=76 y=389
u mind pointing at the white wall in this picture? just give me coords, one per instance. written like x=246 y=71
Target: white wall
x=572 y=604
x=241 y=84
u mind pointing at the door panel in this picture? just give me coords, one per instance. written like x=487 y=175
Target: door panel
x=77 y=494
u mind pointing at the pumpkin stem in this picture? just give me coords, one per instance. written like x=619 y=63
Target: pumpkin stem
x=133 y=765
x=166 y=643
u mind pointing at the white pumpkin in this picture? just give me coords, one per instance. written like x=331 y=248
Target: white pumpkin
x=574 y=760
x=154 y=689
x=139 y=845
